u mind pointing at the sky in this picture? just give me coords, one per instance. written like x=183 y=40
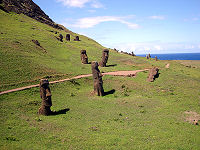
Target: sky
x=141 y=26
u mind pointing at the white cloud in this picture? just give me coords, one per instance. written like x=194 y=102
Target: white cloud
x=90 y=22
x=81 y=3
x=156 y=47
x=157 y=17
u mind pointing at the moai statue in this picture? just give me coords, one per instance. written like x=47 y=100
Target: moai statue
x=84 y=57
x=68 y=37
x=156 y=58
x=147 y=56
x=104 y=58
x=97 y=77
x=61 y=37
x=77 y=38
x=45 y=95
x=153 y=73
x=132 y=54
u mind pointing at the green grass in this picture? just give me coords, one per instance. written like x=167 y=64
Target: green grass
x=138 y=115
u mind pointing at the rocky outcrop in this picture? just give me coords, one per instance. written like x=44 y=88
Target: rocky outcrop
x=29 y=8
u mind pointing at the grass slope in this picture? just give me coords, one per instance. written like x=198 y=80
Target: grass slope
x=138 y=115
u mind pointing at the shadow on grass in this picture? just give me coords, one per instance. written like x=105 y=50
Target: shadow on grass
x=156 y=76
x=109 y=92
x=62 y=111
x=111 y=65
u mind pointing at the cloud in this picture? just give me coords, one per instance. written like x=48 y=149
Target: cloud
x=156 y=47
x=90 y=22
x=157 y=17
x=81 y=3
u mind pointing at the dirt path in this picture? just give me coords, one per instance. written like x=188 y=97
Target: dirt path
x=116 y=73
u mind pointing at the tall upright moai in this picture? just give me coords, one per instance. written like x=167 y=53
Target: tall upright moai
x=68 y=37
x=156 y=58
x=84 y=57
x=105 y=56
x=45 y=94
x=97 y=79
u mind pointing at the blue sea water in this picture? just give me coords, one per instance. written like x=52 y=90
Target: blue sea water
x=176 y=56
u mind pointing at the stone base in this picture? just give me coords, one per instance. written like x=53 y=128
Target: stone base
x=44 y=110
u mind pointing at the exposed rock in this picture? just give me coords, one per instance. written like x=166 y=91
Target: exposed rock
x=153 y=73
x=45 y=95
x=105 y=56
x=29 y=8
x=97 y=78
x=36 y=43
x=192 y=117
x=167 y=65
x=84 y=58
x=68 y=37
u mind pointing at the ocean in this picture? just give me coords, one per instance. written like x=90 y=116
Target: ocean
x=175 y=56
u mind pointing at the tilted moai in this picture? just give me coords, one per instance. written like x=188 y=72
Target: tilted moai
x=45 y=95
x=61 y=37
x=153 y=73
x=84 y=58
x=104 y=58
x=97 y=78
x=77 y=38
x=68 y=37
x=156 y=58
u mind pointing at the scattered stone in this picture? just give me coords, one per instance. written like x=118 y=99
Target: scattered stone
x=45 y=95
x=104 y=58
x=36 y=42
x=167 y=65
x=97 y=78
x=77 y=38
x=68 y=37
x=84 y=58
x=153 y=73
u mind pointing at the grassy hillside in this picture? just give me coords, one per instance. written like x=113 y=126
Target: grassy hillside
x=22 y=61
x=138 y=115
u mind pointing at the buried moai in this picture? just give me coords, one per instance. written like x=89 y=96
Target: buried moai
x=60 y=37
x=84 y=58
x=104 y=58
x=45 y=95
x=77 y=38
x=97 y=78
x=153 y=73
x=68 y=37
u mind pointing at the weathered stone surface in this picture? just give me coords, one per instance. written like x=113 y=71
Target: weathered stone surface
x=60 y=37
x=29 y=8
x=45 y=95
x=147 y=56
x=97 y=78
x=156 y=58
x=77 y=38
x=84 y=58
x=105 y=56
x=36 y=42
x=153 y=73
x=68 y=37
